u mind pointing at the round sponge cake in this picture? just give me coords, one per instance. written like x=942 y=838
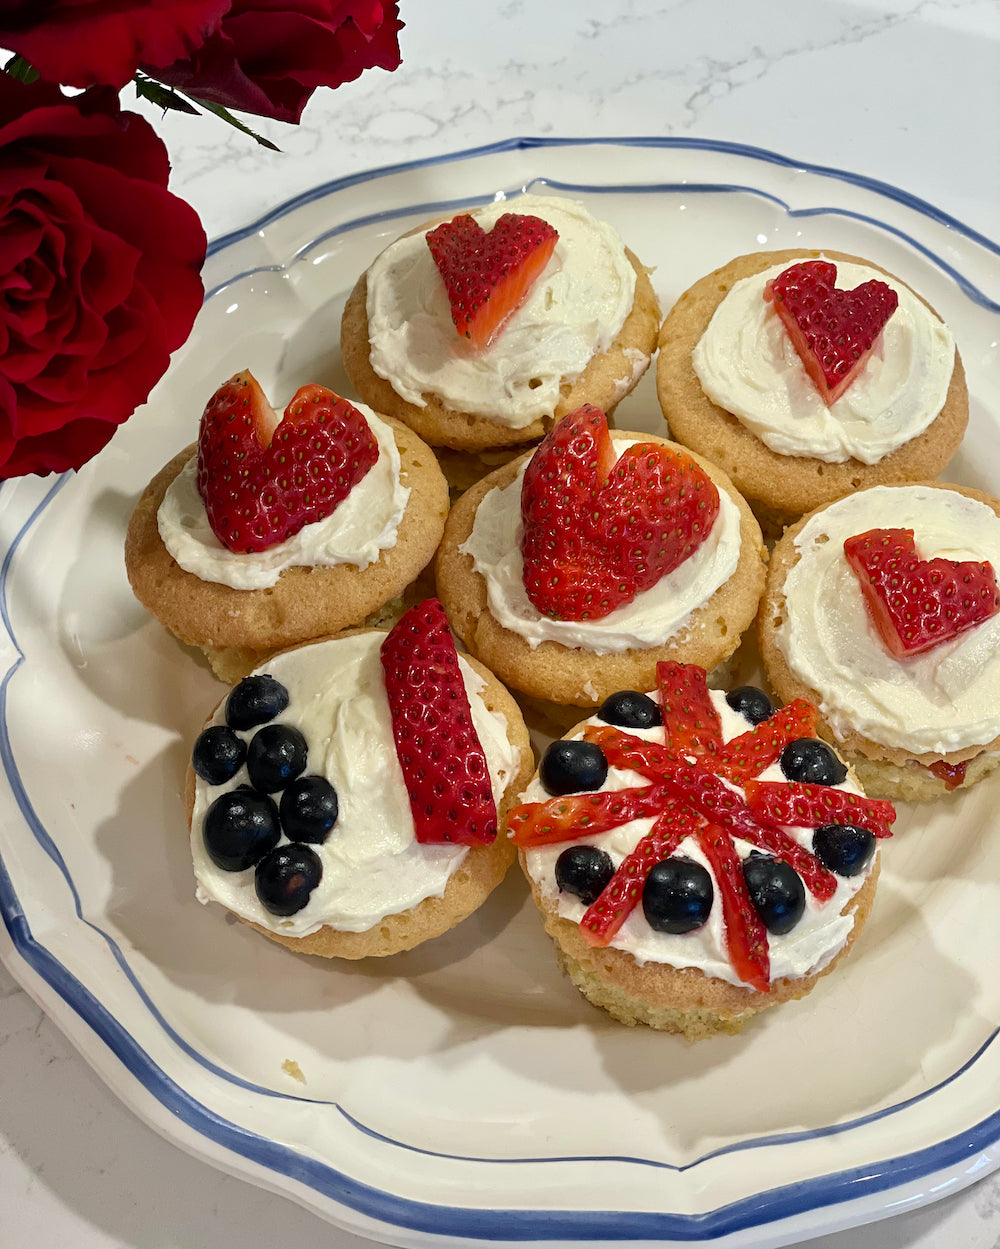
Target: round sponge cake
x=682 y=1000
x=782 y=487
x=682 y=976
x=381 y=892
x=578 y=675
x=237 y=628
x=885 y=715
x=613 y=368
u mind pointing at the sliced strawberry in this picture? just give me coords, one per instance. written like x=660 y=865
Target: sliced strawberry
x=714 y=799
x=580 y=815
x=444 y=766
x=797 y=804
x=746 y=936
x=630 y=753
x=595 y=531
x=750 y=753
x=820 y=882
x=723 y=806
x=916 y=604
x=605 y=916
x=690 y=720
x=488 y=275
x=834 y=331
x=262 y=479
x=560 y=485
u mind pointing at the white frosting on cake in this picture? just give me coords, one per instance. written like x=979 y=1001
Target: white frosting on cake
x=814 y=941
x=573 y=311
x=653 y=616
x=746 y=364
x=945 y=699
x=356 y=531
x=372 y=864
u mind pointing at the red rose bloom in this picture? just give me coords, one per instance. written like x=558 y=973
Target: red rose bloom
x=84 y=43
x=99 y=272
x=269 y=56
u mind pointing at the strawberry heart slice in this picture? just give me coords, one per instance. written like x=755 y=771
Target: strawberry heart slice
x=597 y=531
x=262 y=478
x=916 y=604
x=488 y=275
x=443 y=762
x=833 y=331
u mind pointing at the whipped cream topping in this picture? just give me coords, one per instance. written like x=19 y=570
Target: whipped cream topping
x=818 y=936
x=373 y=866
x=943 y=700
x=746 y=363
x=574 y=311
x=653 y=616
x=358 y=529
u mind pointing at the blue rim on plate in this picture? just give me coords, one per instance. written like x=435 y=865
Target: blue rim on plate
x=781 y=1202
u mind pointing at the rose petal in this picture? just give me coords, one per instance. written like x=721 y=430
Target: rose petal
x=104 y=41
x=100 y=268
x=269 y=56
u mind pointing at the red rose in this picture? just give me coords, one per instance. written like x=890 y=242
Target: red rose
x=99 y=272
x=85 y=43
x=269 y=56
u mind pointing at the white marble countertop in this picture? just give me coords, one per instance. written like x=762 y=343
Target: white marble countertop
x=907 y=92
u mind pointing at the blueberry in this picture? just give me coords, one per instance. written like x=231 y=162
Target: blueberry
x=572 y=768
x=240 y=828
x=776 y=891
x=751 y=703
x=308 y=809
x=844 y=848
x=276 y=756
x=286 y=877
x=584 y=871
x=218 y=754
x=808 y=759
x=677 y=896
x=255 y=701
x=628 y=709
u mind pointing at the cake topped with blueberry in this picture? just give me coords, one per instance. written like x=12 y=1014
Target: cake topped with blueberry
x=698 y=856
x=345 y=801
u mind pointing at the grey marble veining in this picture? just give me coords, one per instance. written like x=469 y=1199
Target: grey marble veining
x=904 y=91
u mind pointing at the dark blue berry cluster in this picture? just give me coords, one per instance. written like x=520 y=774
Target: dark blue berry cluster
x=270 y=822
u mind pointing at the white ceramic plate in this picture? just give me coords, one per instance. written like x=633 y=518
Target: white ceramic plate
x=465 y=1090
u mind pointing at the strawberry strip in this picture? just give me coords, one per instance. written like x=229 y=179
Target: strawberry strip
x=746 y=936
x=820 y=882
x=691 y=723
x=715 y=800
x=801 y=805
x=605 y=916
x=721 y=805
x=749 y=754
x=580 y=815
x=624 y=750
x=440 y=755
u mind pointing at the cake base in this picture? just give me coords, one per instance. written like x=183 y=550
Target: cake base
x=682 y=1000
